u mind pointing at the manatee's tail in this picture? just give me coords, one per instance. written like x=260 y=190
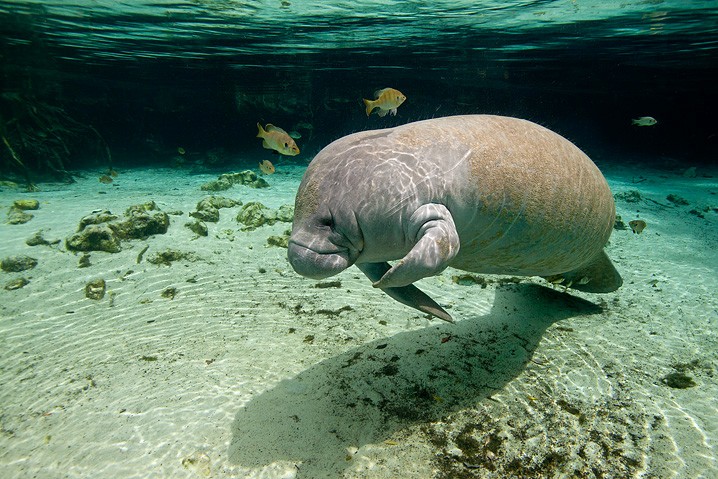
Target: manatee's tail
x=598 y=276
x=369 y=104
x=261 y=133
x=409 y=295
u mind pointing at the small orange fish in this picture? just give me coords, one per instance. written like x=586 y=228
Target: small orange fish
x=112 y=172
x=105 y=179
x=387 y=100
x=274 y=138
x=266 y=167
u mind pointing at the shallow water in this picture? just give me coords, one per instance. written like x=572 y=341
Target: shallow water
x=227 y=364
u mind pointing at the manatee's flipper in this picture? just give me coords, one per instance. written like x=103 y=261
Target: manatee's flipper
x=598 y=276
x=436 y=244
x=409 y=295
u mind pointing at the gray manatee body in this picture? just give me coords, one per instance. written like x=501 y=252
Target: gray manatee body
x=480 y=193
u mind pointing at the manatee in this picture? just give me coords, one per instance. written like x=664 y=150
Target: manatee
x=480 y=193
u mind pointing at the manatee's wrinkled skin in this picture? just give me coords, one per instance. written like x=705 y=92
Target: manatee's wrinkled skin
x=480 y=193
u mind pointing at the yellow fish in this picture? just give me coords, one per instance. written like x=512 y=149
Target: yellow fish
x=387 y=100
x=266 y=167
x=274 y=138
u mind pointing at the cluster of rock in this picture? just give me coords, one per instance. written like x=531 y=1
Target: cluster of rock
x=254 y=214
x=227 y=180
x=18 y=211
x=16 y=264
x=104 y=231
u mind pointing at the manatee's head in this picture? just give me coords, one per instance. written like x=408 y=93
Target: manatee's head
x=326 y=238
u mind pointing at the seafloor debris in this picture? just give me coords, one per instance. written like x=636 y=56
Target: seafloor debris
x=15 y=264
x=103 y=231
x=95 y=289
x=167 y=256
x=637 y=226
x=630 y=196
x=227 y=180
x=677 y=200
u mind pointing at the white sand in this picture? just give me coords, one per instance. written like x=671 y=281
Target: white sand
x=260 y=374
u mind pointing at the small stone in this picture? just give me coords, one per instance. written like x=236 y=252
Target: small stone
x=254 y=214
x=17 y=217
x=38 y=239
x=285 y=213
x=208 y=213
x=280 y=241
x=26 y=204
x=197 y=227
x=16 y=284
x=84 y=261
x=169 y=293
x=167 y=256
x=94 y=237
x=95 y=289
x=216 y=185
x=15 y=264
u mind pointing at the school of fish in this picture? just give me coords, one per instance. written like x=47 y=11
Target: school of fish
x=386 y=101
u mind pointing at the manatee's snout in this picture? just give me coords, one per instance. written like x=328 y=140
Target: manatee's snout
x=316 y=265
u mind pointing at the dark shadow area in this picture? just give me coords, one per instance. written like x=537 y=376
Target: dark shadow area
x=367 y=393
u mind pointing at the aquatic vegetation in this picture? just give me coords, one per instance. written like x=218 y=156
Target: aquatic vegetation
x=41 y=137
x=678 y=380
x=15 y=264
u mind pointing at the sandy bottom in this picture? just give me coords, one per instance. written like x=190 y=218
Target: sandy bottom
x=247 y=370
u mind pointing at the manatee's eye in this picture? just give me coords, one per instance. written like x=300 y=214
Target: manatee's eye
x=286 y=145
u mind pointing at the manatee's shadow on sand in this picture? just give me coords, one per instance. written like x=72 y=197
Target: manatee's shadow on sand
x=367 y=393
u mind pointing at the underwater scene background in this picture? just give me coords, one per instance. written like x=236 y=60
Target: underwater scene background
x=182 y=344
